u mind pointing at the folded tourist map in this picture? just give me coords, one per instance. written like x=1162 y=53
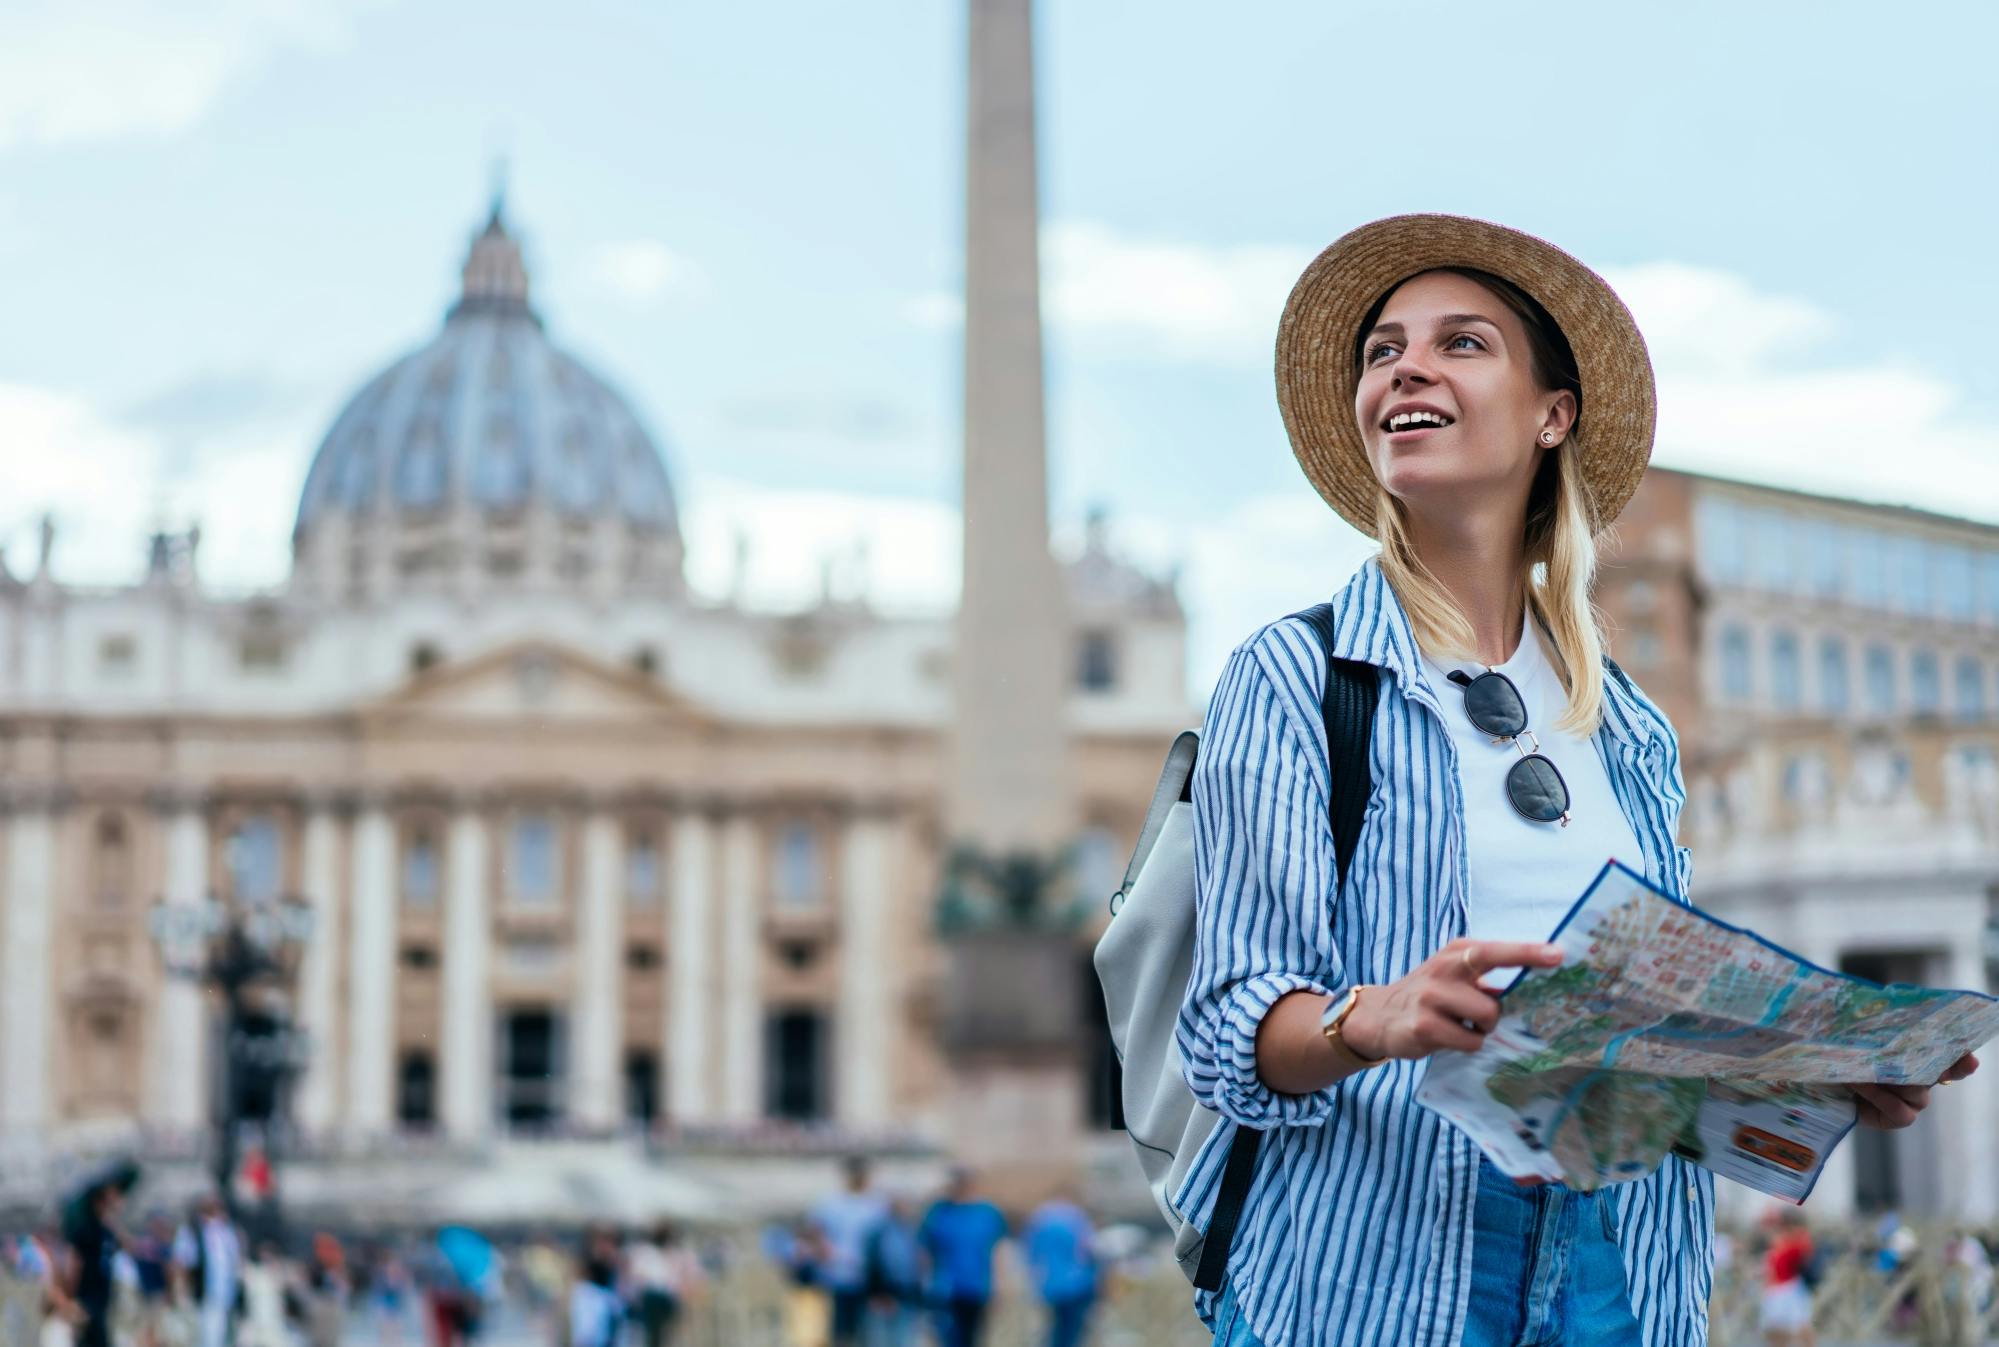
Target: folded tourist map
x=1667 y=1031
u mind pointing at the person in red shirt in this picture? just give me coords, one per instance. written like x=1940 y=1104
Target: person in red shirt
x=1787 y=1300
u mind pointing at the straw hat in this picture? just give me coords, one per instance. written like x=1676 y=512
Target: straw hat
x=1317 y=372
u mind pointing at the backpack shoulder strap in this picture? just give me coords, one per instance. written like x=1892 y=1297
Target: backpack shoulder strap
x=1347 y=703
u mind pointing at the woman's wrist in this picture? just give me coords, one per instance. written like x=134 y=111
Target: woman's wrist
x=1362 y=1032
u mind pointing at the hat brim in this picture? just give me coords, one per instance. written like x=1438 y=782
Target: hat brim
x=1317 y=375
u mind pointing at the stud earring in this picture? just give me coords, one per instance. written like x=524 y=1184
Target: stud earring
x=1547 y=437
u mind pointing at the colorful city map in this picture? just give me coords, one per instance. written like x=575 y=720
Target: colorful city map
x=1667 y=1031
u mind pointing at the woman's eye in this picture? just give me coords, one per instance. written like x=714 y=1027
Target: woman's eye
x=1375 y=352
x=1477 y=345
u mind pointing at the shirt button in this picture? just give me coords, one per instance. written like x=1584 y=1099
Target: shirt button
x=1692 y=1196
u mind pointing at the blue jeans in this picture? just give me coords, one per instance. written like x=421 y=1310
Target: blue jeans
x=1545 y=1272
x=1067 y=1320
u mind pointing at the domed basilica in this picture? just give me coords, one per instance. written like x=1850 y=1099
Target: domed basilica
x=587 y=855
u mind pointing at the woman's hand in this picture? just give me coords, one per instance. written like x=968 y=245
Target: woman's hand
x=1440 y=1005
x=1888 y=1107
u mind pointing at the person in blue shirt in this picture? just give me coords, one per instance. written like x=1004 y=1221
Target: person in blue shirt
x=959 y=1234
x=1062 y=1258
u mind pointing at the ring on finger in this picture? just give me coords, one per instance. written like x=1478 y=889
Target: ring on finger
x=1464 y=957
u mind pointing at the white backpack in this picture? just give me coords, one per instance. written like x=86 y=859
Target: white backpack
x=1145 y=955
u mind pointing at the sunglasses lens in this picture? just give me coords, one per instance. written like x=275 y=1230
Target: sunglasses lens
x=1494 y=705
x=1537 y=789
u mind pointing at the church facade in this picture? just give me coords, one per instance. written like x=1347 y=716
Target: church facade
x=587 y=855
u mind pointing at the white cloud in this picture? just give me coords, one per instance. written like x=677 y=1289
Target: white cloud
x=1745 y=391
x=1148 y=298
x=73 y=70
x=109 y=482
x=1159 y=298
x=640 y=272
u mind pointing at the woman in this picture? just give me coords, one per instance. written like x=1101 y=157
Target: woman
x=1483 y=404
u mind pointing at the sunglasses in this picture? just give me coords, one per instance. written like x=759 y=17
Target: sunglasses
x=1534 y=787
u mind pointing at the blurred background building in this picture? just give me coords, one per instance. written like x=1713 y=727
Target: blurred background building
x=589 y=857
x=1832 y=668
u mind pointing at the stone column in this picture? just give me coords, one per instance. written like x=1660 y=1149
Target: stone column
x=320 y=871
x=599 y=1013
x=181 y=1091
x=27 y=1019
x=690 y=966
x=467 y=1068
x=742 y=1007
x=869 y=984
x=371 y=980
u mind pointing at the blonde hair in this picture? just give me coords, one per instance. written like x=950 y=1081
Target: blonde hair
x=1559 y=550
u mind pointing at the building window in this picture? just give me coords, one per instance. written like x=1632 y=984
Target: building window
x=1640 y=597
x=254 y=859
x=1880 y=680
x=1989 y=566
x=795 y=1066
x=117 y=654
x=1645 y=649
x=1912 y=575
x=531 y=860
x=1719 y=524
x=642 y=867
x=1785 y=677
x=420 y=867
x=1969 y=702
x=1869 y=555
x=1828 y=562
x=1833 y=693
x=1736 y=682
x=416 y=1090
x=1771 y=554
x=1925 y=683
x=111 y=862
x=1953 y=582
x=798 y=866
x=642 y=1086
x=1096 y=662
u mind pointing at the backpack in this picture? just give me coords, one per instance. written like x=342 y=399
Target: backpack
x=1147 y=952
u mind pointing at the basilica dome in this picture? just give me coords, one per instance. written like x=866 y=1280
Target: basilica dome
x=487 y=432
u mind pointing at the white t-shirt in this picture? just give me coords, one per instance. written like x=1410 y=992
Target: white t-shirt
x=1526 y=875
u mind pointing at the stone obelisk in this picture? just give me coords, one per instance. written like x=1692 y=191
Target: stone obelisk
x=1014 y=1018
x=1009 y=768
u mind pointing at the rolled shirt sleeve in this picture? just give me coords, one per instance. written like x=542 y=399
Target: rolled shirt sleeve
x=1265 y=877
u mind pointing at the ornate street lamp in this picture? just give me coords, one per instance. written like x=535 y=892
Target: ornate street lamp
x=247 y=952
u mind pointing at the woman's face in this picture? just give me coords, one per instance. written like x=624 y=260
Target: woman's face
x=1448 y=404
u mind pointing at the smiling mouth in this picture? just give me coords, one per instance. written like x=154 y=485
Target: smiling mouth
x=1411 y=423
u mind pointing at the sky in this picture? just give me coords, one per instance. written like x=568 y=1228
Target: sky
x=219 y=217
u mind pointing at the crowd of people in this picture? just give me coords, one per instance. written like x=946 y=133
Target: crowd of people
x=88 y=1279
x=868 y=1271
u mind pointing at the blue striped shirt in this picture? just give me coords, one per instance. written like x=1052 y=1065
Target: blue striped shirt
x=1357 y=1229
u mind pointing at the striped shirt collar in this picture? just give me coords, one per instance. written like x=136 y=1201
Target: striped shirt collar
x=1372 y=627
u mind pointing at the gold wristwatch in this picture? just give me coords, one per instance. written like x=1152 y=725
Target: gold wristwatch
x=1333 y=1023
